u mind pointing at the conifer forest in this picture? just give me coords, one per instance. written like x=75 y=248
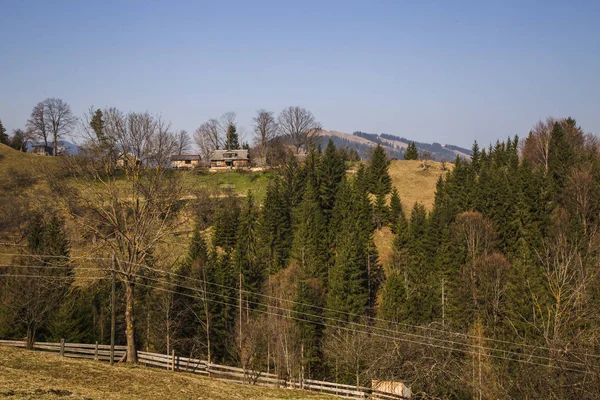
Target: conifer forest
x=492 y=293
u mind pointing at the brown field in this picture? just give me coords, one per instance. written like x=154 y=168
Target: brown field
x=414 y=183
x=35 y=375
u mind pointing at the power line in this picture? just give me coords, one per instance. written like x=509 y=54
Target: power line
x=320 y=317
x=465 y=336
x=359 y=324
x=374 y=334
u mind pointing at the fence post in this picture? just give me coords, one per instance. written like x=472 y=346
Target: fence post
x=96 y=351
x=62 y=347
x=112 y=310
x=173 y=360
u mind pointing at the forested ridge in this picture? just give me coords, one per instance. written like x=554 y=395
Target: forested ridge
x=494 y=293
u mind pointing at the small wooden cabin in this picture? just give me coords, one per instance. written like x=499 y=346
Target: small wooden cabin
x=228 y=159
x=185 y=160
x=42 y=150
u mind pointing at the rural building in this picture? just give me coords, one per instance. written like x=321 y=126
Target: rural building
x=185 y=160
x=392 y=387
x=230 y=159
x=125 y=159
x=42 y=150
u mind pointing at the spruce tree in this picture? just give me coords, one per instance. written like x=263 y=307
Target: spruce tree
x=411 y=152
x=97 y=125
x=331 y=173
x=276 y=227
x=309 y=302
x=231 y=140
x=247 y=253
x=379 y=180
x=310 y=236
x=348 y=290
x=396 y=210
x=3 y=135
x=226 y=222
x=393 y=298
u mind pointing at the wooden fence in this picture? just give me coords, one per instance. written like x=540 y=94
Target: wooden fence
x=196 y=366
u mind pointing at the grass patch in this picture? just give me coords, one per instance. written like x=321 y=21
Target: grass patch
x=415 y=184
x=36 y=375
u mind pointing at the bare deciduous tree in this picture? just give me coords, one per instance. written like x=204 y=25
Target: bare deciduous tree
x=183 y=142
x=299 y=125
x=60 y=119
x=51 y=118
x=36 y=123
x=265 y=130
x=128 y=214
x=208 y=138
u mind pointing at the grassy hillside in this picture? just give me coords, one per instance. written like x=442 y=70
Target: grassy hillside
x=414 y=183
x=17 y=160
x=35 y=375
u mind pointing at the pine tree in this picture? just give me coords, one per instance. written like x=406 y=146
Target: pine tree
x=378 y=176
x=292 y=183
x=411 y=152
x=396 y=210
x=309 y=302
x=310 y=235
x=331 y=174
x=381 y=212
x=97 y=125
x=231 y=140
x=246 y=257
x=226 y=222
x=3 y=135
x=276 y=227
x=393 y=298
x=348 y=289
x=476 y=156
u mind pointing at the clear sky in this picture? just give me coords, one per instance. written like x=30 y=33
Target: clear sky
x=445 y=71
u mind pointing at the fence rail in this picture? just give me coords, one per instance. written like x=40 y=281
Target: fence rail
x=196 y=366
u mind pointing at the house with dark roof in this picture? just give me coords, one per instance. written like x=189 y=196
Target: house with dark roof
x=227 y=159
x=185 y=160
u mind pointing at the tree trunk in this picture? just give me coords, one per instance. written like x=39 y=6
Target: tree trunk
x=130 y=322
x=30 y=338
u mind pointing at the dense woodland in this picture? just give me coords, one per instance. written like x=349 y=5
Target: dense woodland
x=494 y=293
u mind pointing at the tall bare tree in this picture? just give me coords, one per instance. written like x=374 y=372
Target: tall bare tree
x=127 y=214
x=265 y=130
x=208 y=138
x=299 y=125
x=183 y=142
x=36 y=123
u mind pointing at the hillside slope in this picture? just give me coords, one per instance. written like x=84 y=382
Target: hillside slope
x=394 y=146
x=17 y=160
x=415 y=185
x=35 y=375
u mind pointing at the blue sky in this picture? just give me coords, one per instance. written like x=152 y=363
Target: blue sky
x=449 y=72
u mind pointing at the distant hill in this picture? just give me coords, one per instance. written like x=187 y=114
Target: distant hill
x=394 y=146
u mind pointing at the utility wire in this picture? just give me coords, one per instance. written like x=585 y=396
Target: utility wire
x=462 y=335
x=355 y=324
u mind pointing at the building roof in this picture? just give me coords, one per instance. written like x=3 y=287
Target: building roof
x=239 y=154
x=185 y=157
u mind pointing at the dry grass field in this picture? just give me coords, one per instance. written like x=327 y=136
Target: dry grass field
x=35 y=375
x=416 y=184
